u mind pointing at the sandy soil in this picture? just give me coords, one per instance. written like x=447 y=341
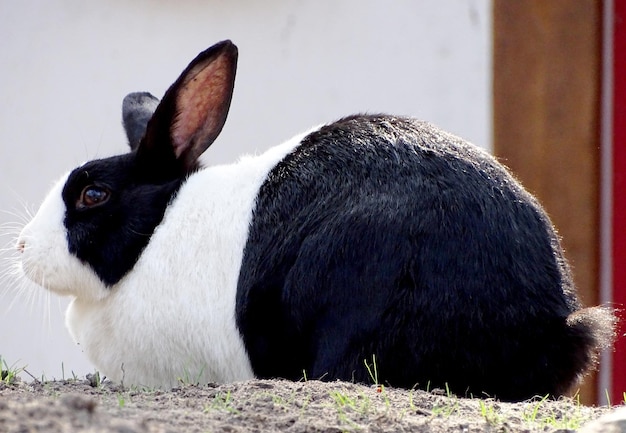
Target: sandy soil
x=83 y=405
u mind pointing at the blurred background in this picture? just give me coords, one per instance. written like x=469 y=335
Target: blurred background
x=523 y=79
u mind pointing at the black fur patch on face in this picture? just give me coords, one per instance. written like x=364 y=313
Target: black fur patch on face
x=110 y=237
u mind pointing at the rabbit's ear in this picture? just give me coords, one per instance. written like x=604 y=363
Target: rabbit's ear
x=137 y=109
x=192 y=112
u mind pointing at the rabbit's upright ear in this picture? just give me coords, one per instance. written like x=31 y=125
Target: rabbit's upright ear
x=192 y=112
x=137 y=109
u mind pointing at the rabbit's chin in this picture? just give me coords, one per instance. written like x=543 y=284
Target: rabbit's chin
x=45 y=258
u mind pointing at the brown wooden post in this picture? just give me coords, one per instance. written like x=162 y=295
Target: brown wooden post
x=546 y=105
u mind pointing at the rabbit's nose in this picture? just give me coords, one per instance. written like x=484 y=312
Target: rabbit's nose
x=21 y=245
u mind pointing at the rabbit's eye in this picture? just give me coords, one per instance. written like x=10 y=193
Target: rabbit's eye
x=91 y=196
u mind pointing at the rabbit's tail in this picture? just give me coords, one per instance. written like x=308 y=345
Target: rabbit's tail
x=594 y=330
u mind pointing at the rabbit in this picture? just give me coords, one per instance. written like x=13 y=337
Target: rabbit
x=373 y=244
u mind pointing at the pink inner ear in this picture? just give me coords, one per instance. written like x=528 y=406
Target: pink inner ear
x=198 y=103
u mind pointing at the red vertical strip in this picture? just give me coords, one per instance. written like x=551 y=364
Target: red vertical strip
x=619 y=194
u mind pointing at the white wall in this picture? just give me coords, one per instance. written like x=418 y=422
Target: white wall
x=66 y=65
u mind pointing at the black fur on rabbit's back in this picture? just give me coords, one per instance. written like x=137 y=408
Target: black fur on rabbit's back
x=386 y=238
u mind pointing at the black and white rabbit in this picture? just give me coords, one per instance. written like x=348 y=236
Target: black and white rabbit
x=373 y=236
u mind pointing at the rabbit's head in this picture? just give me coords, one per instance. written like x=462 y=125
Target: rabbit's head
x=96 y=221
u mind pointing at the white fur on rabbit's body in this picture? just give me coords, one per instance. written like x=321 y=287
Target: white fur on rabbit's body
x=370 y=236
x=202 y=343
x=125 y=329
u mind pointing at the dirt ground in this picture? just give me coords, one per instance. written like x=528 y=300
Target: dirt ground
x=82 y=405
